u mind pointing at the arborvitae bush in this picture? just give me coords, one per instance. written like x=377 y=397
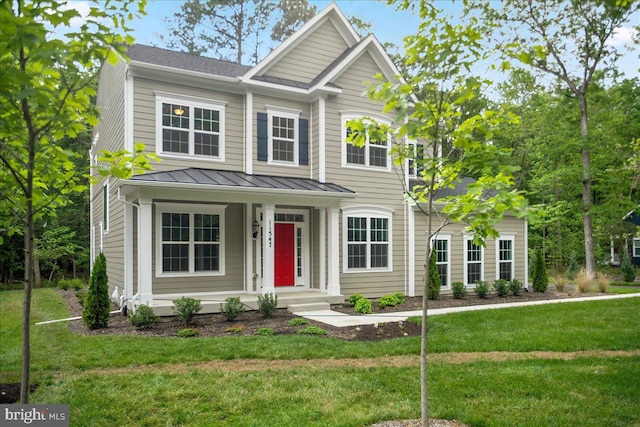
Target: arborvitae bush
x=540 y=278
x=186 y=309
x=95 y=312
x=232 y=308
x=627 y=269
x=267 y=304
x=459 y=290
x=434 y=278
x=143 y=317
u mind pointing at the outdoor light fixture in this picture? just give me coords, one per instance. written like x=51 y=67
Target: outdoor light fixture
x=256 y=228
x=178 y=111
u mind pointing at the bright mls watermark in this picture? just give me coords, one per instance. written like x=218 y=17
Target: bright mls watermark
x=34 y=415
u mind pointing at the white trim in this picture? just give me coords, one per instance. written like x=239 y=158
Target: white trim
x=145 y=251
x=411 y=220
x=525 y=278
x=322 y=247
x=368 y=213
x=446 y=236
x=322 y=140
x=128 y=250
x=511 y=238
x=349 y=115
x=466 y=239
x=636 y=248
x=248 y=247
x=190 y=209
x=248 y=136
x=106 y=207
x=286 y=113
x=191 y=102
x=128 y=111
x=333 y=244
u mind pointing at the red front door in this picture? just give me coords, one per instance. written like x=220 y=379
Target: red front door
x=284 y=255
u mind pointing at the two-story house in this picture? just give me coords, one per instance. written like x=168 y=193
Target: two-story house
x=257 y=190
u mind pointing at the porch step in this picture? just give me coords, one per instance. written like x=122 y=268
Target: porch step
x=313 y=306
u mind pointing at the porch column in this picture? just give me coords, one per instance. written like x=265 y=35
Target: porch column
x=128 y=251
x=321 y=140
x=412 y=251
x=268 y=248
x=145 y=234
x=322 y=230
x=333 y=287
x=248 y=247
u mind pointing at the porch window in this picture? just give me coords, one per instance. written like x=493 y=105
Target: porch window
x=473 y=262
x=505 y=264
x=189 y=126
x=373 y=154
x=190 y=240
x=636 y=247
x=368 y=242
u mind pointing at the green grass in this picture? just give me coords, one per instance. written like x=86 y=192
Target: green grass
x=586 y=391
x=624 y=289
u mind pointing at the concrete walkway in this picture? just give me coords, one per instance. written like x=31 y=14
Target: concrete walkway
x=335 y=318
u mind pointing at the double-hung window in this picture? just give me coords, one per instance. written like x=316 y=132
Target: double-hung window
x=504 y=258
x=416 y=159
x=188 y=126
x=636 y=247
x=190 y=239
x=441 y=248
x=373 y=154
x=283 y=135
x=368 y=240
x=473 y=267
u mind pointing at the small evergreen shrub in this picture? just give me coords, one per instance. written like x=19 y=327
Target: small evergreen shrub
x=298 y=321
x=515 y=287
x=501 y=287
x=540 y=278
x=231 y=308
x=482 y=289
x=400 y=297
x=435 y=282
x=388 y=301
x=143 y=317
x=312 y=330
x=266 y=332
x=234 y=329
x=95 y=312
x=627 y=269
x=75 y=284
x=459 y=290
x=186 y=309
x=364 y=306
x=267 y=304
x=354 y=298
x=187 y=333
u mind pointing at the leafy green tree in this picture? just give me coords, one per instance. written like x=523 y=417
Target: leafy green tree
x=427 y=108
x=569 y=42
x=95 y=312
x=46 y=94
x=54 y=243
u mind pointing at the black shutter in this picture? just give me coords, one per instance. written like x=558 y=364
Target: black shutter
x=263 y=137
x=303 y=140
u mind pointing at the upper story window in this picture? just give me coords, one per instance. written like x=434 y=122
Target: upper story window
x=368 y=239
x=414 y=163
x=283 y=137
x=374 y=154
x=188 y=126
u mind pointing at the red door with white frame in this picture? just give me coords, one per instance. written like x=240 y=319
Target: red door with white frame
x=284 y=255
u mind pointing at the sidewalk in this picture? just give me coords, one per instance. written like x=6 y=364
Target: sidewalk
x=335 y=318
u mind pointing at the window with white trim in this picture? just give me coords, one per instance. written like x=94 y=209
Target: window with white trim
x=505 y=258
x=189 y=126
x=190 y=239
x=473 y=268
x=373 y=154
x=636 y=247
x=367 y=240
x=441 y=247
x=283 y=136
x=105 y=207
x=415 y=162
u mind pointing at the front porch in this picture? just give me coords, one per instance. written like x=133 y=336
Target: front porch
x=163 y=305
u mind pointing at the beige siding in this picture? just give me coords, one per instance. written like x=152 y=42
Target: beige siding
x=232 y=280
x=311 y=56
x=144 y=125
x=314 y=141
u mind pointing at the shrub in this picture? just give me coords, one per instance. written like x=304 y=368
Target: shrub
x=234 y=329
x=81 y=294
x=400 y=297
x=143 y=317
x=75 y=284
x=354 y=298
x=434 y=278
x=501 y=287
x=560 y=282
x=267 y=304
x=364 y=306
x=312 y=330
x=187 y=333
x=540 y=278
x=231 y=308
x=186 y=309
x=459 y=290
x=95 y=311
x=627 y=269
x=482 y=289
x=298 y=321
x=266 y=332
x=515 y=287
x=583 y=281
x=603 y=281
x=388 y=301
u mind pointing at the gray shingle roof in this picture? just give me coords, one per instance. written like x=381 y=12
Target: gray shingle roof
x=185 y=61
x=241 y=180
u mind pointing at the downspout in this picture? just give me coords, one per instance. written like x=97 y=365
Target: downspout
x=123 y=299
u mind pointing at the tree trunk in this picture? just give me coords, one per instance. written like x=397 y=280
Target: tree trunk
x=590 y=261
x=424 y=383
x=26 y=307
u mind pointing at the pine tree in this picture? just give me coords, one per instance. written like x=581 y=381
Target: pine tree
x=627 y=269
x=96 y=307
x=540 y=278
x=434 y=277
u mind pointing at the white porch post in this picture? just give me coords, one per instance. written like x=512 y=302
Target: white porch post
x=322 y=230
x=412 y=251
x=248 y=247
x=333 y=287
x=128 y=251
x=321 y=140
x=268 y=248
x=145 y=251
